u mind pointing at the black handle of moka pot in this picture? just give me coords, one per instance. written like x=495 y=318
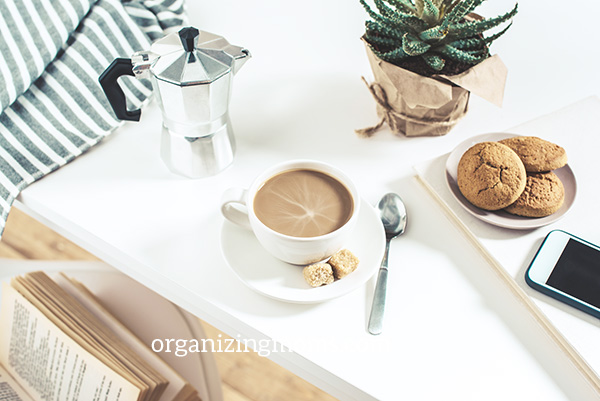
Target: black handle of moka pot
x=114 y=93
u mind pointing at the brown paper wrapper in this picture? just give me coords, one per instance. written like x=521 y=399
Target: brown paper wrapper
x=414 y=105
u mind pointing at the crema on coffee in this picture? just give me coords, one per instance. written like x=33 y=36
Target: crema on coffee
x=303 y=203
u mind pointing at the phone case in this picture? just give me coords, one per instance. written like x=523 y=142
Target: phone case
x=554 y=294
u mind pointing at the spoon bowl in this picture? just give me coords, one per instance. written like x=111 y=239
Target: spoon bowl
x=392 y=213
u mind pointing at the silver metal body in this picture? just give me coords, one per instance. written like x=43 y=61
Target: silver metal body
x=193 y=87
x=198 y=157
x=393 y=216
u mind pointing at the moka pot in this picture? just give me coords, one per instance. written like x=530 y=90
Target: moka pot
x=191 y=73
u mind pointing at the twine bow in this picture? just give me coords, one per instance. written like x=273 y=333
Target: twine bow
x=391 y=116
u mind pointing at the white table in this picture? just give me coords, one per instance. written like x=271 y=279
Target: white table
x=452 y=330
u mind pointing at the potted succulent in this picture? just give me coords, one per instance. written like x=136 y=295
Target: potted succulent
x=427 y=56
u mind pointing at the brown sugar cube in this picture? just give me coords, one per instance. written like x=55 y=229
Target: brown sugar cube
x=318 y=274
x=343 y=263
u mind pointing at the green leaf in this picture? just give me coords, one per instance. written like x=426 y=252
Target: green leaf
x=488 y=40
x=382 y=30
x=431 y=13
x=405 y=22
x=392 y=55
x=383 y=41
x=473 y=28
x=434 y=61
x=384 y=9
x=461 y=55
x=369 y=10
x=461 y=9
x=404 y=6
x=449 y=5
x=413 y=46
x=410 y=22
x=436 y=33
x=468 y=43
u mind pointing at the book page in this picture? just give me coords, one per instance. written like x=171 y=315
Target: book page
x=75 y=321
x=178 y=388
x=47 y=363
x=10 y=389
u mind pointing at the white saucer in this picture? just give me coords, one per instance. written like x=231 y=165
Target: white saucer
x=282 y=281
x=501 y=218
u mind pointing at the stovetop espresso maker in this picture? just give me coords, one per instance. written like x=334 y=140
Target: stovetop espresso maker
x=191 y=73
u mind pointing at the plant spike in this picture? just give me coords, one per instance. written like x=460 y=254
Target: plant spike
x=382 y=30
x=384 y=9
x=452 y=4
x=434 y=61
x=467 y=44
x=413 y=46
x=488 y=40
x=398 y=20
x=460 y=55
x=431 y=13
x=472 y=28
x=382 y=41
x=473 y=43
x=404 y=6
x=460 y=11
x=391 y=56
x=435 y=30
x=438 y=32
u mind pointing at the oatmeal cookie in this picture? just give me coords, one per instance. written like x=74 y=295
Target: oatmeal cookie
x=544 y=194
x=491 y=175
x=538 y=155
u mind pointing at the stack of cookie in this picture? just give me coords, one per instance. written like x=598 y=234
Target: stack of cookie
x=514 y=174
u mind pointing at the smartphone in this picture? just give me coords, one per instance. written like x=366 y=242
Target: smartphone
x=567 y=268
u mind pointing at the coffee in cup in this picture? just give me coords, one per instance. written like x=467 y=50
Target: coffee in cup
x=303 y=203
x=301 y=211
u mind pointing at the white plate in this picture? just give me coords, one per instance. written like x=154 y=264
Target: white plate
x=501 y=218
x=282 y=281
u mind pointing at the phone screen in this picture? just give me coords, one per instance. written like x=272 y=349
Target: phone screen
x=577 y=272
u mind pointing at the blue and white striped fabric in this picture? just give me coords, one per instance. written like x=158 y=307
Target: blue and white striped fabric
x=51 y=55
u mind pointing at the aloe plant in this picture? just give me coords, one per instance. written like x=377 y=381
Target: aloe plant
x=438 y=31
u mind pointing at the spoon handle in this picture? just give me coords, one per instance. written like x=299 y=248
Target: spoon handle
x=376 y=319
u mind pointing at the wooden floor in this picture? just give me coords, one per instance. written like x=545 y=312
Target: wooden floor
x=245 y=376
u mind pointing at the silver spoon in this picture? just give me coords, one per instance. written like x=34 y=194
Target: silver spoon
x=392 y=212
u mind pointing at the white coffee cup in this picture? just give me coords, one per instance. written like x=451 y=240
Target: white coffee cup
x=237 y=206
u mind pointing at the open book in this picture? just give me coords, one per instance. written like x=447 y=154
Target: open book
x=57 y=342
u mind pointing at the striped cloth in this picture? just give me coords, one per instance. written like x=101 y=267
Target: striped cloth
x=51 y=54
